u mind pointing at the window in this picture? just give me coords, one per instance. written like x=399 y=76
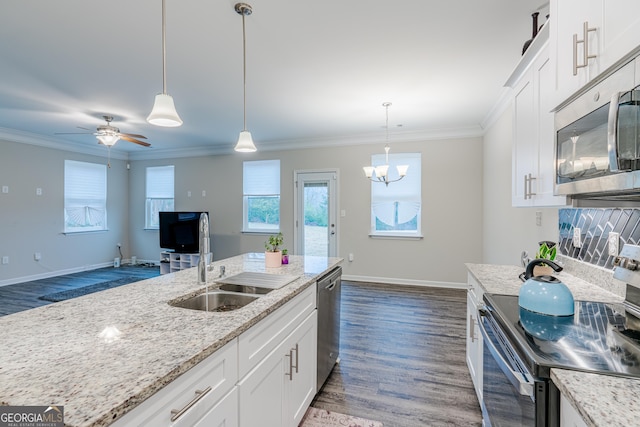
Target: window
x=159 y=194
x=395 y=209
x=261 y=196
x=85 y=197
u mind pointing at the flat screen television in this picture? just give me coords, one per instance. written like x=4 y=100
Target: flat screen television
x=179 y=231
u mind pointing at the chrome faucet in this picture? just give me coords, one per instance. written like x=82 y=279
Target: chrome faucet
x=205 y=254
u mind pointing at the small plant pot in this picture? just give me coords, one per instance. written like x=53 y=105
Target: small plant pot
x=542 y=270
x=285 y=259
x=273 y=259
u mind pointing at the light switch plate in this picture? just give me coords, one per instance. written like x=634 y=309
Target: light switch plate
x=613 y=243
x=577 y=238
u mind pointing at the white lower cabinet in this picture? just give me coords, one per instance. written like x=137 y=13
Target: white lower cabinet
x=278 y=391
x=474 y=337
x=190 y=399
x=569 y=417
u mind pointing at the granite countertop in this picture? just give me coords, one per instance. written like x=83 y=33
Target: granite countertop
x=59 y=354
x=601 y=400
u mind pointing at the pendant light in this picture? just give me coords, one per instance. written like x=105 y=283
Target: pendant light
x=245 y=142
x=164 y=111
x=380 y=173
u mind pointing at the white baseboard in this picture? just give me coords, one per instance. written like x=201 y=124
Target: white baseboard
x=405 y=282
x=56 y=273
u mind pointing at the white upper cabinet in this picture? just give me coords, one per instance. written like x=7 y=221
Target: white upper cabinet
x=533 y=134
x=587 y=37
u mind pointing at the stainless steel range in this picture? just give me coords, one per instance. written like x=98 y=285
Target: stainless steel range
x=521 y=347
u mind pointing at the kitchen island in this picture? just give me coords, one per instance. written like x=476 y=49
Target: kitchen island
x=600 y=400
x=103 y=354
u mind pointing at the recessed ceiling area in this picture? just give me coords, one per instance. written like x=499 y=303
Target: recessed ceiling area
x=317 y=71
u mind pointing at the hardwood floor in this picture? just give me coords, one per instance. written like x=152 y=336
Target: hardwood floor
x=23 y=296
x=402 y=358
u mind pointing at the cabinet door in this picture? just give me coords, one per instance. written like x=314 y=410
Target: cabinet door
x=569 y=417
x=301 y=385
x=569 y=17
x=262 y=391
x=474 y=346
x=524 y=149
x=621 y=29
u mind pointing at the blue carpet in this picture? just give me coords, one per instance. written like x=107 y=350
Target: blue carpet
x=97 y=287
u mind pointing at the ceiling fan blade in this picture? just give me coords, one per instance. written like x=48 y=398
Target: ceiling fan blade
x=73 y=133
x=135 y=141
x=80 y=127
x=133 y=135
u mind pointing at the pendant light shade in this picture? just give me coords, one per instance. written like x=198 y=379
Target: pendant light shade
x=245 y=142
x=164 y=111
x=108 y=139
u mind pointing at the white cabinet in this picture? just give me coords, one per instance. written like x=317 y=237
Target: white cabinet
x=474 y=337
x=195 y=396
x=173 y=261
x=278 y=391
x=589 y=36
x=533 y=136
x=569 y=417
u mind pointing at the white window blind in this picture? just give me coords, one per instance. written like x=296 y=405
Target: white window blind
x=160 y=183
x=396 y=208
x=85 y=196
x=261 y=195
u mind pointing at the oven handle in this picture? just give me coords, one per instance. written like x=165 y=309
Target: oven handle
x=517 y=379
x=612 y=132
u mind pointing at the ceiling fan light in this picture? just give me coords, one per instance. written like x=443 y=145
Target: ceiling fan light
x=245 y=143
x=164 y=112
x=108 y=139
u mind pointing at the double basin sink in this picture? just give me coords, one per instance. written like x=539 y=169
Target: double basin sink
x=233 y=293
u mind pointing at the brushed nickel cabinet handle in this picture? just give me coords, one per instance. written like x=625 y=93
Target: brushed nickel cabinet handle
x=177 y=413
x=297 y=358
x=290 y=373
x=585 y=45
x=471 y=328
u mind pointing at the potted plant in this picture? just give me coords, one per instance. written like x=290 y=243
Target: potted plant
x=273 y=254
x=285 y=256
x=546 y=250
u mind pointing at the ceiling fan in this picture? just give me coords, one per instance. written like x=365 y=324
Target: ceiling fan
x=108 y=135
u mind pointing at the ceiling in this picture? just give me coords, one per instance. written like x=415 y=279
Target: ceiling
x=318 y=71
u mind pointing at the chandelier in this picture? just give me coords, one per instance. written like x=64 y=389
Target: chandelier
x=381 y=173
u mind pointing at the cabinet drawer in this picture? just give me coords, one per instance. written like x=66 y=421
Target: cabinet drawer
x=257 y=342
x=219 y=372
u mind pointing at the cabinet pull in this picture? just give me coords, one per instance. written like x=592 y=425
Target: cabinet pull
x=471 y=328
x=177 y=413
x=528 y=192
x=585 y=48
x=290 y=373
x=296 y=349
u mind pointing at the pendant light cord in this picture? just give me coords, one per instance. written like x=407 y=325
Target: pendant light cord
x=244 y=74
x=164 y=50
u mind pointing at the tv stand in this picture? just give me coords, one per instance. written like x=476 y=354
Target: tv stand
x=174 y=261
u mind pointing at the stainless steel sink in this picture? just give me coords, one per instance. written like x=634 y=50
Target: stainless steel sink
x=217 y=301
x=245 y=289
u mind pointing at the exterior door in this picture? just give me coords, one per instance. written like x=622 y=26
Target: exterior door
x=316 y=213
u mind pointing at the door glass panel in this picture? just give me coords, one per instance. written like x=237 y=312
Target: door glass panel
x=316 y=218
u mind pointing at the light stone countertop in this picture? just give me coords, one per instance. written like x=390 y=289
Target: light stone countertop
x=55 y=354
x=601 y=400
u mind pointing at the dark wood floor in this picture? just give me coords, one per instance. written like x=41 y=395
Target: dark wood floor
x=24 y=296
x=402 y=358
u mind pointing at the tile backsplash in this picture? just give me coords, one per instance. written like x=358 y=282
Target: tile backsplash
x=595 y=225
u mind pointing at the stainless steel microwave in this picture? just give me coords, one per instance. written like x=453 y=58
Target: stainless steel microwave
x=597 y=142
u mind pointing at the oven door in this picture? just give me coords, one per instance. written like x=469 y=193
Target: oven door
x=508 y=388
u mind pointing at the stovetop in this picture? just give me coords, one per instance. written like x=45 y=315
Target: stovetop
x=599 y=337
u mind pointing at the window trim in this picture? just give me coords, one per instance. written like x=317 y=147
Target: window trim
x=147 y=199
x=245 y=198
x=66 y=230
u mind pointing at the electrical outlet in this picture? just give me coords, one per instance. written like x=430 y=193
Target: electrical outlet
x=350 y=257
x=577 y=238
x=613 y=243
x=37 y=256
x=539 y=218
x=119 y=245
x=38 y=191
x=5 y=189
x=5 y=260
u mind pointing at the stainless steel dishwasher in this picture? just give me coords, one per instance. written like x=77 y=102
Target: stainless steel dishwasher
x=329 y=288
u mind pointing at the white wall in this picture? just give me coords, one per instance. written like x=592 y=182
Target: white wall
x=31 y=223
x=508 y=230
x=451 y=216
